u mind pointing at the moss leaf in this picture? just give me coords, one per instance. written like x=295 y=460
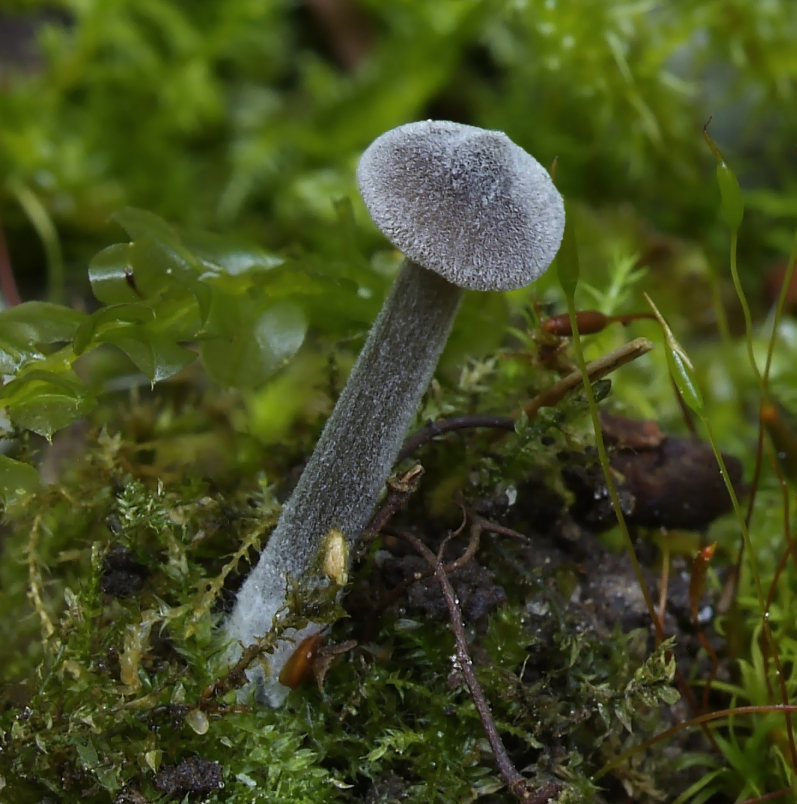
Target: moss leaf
x=246 y=344
x=156 y=356
x=17 y=479
x=131 y=313
x=45 y=402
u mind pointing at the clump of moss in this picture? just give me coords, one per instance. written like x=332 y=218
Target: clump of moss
x=125 y=566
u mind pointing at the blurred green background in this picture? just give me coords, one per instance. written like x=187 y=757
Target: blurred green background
x=249 y=115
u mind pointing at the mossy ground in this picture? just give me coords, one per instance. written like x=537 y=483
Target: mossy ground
x=247 y=117
x=118 y=574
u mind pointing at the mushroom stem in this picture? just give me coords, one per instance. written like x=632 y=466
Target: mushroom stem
x=343 y=479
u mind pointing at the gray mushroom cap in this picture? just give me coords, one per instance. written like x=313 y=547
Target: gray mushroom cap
x=463 y=201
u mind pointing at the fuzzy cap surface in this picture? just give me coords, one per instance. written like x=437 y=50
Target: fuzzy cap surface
x=463 y=201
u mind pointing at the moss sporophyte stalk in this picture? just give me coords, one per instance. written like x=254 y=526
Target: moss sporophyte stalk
x=470 y=210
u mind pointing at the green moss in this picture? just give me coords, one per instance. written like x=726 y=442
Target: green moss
x=241 y=116
x=121 y=686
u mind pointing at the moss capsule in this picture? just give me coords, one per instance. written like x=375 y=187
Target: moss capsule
x=589 y=322
x=299 y=666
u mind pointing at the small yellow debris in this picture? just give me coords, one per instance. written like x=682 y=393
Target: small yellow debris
x=336 y=557
x=136 y=642
x=198 y=721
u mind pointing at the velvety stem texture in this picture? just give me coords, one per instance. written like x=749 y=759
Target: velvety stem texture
x=343 y=479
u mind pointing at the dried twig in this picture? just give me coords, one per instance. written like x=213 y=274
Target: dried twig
x=500 y=530
x=596 y=370
x=517 y=784
x=452 y=566
x=235 y=677
x=485 y=525
x=437 y=428
x=399 y=491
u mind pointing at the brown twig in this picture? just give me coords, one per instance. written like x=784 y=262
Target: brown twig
x=500 y=530
x=397 y=591
x=769 y=796
x=235 y=677
x=518 y=785
x=437 y=428
x=399 y=491
x=485 y=525
x=596 y=370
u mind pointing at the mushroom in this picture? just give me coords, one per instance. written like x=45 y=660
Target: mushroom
x=470 y=210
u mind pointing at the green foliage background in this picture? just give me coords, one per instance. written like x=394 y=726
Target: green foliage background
x=246 y=118
x=238 y=115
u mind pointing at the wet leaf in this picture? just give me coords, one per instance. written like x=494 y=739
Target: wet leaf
x=324 y=299
x=202 y=294
x=47 y=410
x=156 y=356
x=158 y=266
x=155 y=260
x=16 y=348
x=683 y=375
x=87 y=754
x=17 y=479
x=44 y=402
x=290 y=279
x=681 y=368
x=225 y=254
x=622 y=711
x=111 y=276
x=177 y=316
x=130 y=313
x=25 y=326
x=245 y=344
x=731 y=196
x=140 y=223
x=45 y=322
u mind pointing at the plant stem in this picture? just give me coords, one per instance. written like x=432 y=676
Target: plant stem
x=43 y=224
x=607 y=471
x=719 y=310
x=739 y=516
x=748 y=321
x=784 y=290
